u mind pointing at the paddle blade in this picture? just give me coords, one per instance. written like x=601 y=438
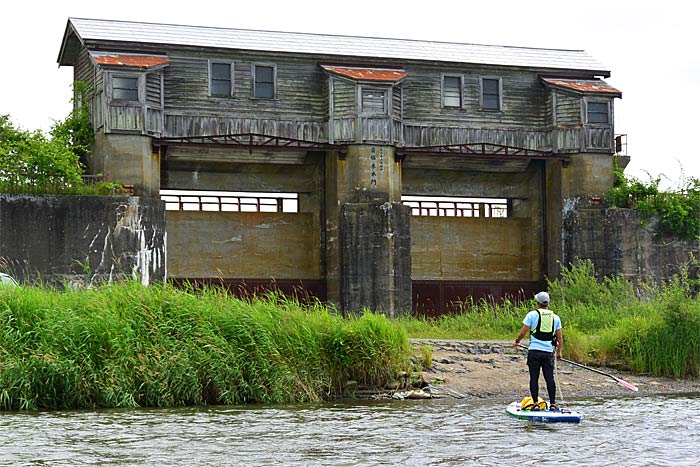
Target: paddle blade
x=629 y=386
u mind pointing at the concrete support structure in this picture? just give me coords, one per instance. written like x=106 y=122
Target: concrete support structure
x=129 y=160
x=367 y=231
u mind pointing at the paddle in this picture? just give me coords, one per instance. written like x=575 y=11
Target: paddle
x=619 y=381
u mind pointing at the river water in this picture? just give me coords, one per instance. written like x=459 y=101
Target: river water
x=644 y=430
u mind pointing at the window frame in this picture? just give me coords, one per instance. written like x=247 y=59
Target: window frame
x=140 y=87
x=230 y=63
x=586 y=110
x=253 y=73
x=499 y=107
x=460 y=77
x=361 y=89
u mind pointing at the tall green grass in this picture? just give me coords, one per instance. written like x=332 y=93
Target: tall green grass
x=650 y=328
x=125 y=345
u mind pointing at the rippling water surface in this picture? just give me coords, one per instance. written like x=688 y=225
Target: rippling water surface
x=633 y=431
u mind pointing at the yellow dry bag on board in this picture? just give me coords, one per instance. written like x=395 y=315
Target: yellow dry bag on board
x=528 y=404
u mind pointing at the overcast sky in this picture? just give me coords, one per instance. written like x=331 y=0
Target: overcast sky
x=651 y=49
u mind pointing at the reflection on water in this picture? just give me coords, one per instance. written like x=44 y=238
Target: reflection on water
x=634 y=431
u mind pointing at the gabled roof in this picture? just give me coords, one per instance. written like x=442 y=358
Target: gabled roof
x=93 y=31
x=123 y=60
x=385 y=75
x=586 y=86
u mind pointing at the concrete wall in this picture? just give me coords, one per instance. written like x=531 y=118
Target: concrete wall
x=473 y=249
x=620 y=243
x=82 y=239
x=248 y=245
x=479 y=249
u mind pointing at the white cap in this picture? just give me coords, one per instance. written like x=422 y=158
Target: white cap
x=543 y=298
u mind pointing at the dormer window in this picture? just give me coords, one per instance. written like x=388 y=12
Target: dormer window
x=597 y=112
x=125 y=88
x=373 y=101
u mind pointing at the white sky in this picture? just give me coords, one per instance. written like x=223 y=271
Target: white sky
x=651 y=49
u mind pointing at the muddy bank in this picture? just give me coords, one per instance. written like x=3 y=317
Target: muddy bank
x=495 y=369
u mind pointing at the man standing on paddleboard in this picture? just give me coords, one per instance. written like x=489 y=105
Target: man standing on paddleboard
x=545 y=337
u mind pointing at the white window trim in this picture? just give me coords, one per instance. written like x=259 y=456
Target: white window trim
x=385 y=112
x=461 y=90
x=223 y=62
x=254 y=65
x=584 y=109
x=141 y=87
x=500 y=93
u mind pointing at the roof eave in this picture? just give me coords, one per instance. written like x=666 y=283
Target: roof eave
x=63 y=58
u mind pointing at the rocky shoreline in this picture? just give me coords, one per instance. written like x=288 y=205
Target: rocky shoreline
x=495 y=369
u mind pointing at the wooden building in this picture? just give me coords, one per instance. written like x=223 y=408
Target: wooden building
x=381 y=173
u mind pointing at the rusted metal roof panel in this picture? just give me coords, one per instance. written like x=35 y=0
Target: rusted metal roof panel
x=593 y=86
x=129 y=60
x=322 y=44
x=367 y=74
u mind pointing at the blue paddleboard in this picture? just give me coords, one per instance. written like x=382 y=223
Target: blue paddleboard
x=543 y=416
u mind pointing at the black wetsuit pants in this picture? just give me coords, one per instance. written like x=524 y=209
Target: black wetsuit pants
x=537 y=359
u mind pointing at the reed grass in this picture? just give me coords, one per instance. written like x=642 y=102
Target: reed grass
x=649 y=328
x=125 y=345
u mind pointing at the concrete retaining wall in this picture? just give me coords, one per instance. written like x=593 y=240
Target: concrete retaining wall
x=620 y=242
x=249 y=245
x=82 y=239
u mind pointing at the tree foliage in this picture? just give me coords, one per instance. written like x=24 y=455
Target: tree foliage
x=31 y=162
x=76 y=130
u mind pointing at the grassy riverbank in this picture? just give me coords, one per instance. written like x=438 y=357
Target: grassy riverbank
x=649 y=329
x=126 y=345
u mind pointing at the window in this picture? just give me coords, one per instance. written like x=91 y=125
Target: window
x=125 y=88
x=229 y=201
x=452 y=91
x=491 y=93
x=449 y=206
x=373 y=101
x=264 y=79
x=220 y=78
x=598 y=112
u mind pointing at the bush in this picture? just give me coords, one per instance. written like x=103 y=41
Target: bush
x=29 y=162
x=678 y=209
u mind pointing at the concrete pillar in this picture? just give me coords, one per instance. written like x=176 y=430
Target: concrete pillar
x=588 y=175
x=129 y=160
x=368 y=253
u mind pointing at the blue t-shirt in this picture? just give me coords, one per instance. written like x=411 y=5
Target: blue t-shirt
x=531 y=320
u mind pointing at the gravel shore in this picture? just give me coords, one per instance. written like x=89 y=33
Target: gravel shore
x=495 y=369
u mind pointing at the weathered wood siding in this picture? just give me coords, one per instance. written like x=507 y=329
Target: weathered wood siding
x=303 y=108
x=297 y=111
x=84 y=70
x=568 y=109
x=522 y=121
x=344 y=98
